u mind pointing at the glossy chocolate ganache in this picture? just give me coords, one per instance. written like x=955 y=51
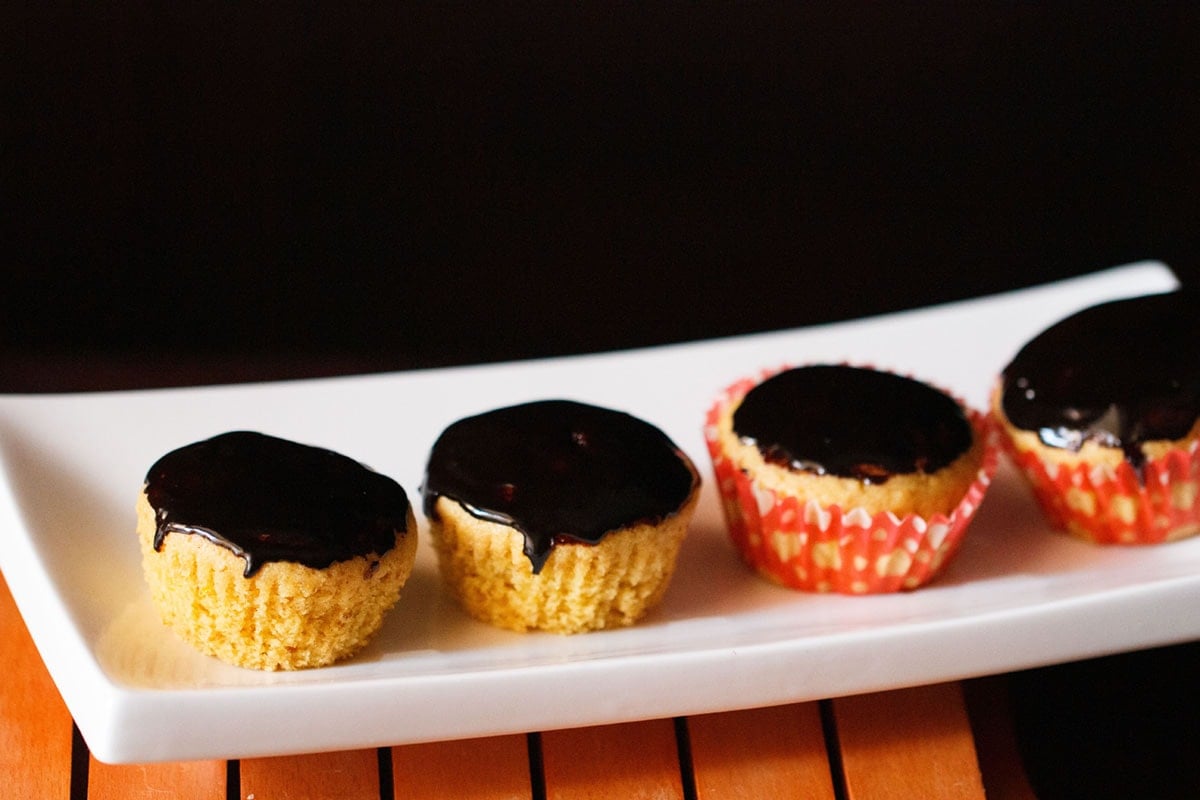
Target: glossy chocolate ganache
x=557 y=470
x=269 y=499
x=1119 y=374
x=852 y=422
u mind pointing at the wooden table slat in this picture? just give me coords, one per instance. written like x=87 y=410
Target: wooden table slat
x=491 y=768
x=347 y=775
x=180 y=780
x=628 y=760
x=1004 y=774
x=35 y=726
x=776 y=752
x=908 y=743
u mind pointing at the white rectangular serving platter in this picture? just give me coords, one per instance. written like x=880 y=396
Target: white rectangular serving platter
x=1018 y=594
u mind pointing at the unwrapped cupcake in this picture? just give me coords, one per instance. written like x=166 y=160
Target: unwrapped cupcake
x=1101 y=411
x=557 y=516
x=270 y=554
x=837 y=478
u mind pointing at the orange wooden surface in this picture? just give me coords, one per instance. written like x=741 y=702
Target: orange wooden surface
x=35 y=727
x=1004 y=775
x=493 y=768
x=629 y=761
x=908 y=743
x=348 y=775
x=184 y=780
x=776 y=752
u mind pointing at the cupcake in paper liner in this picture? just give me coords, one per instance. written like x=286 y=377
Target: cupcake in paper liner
x=1099 y=412
x=838 y=478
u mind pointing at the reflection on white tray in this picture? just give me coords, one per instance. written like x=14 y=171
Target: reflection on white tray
x=1017 y=595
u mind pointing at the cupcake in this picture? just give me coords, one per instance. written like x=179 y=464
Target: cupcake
x=1100 y=412
x=557 y=516
x=270 y=554
x=845 y=479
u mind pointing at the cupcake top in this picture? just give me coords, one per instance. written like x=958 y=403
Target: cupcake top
x=1119 y=374
x=852 y=422
x=268 y=499
x=558 y=470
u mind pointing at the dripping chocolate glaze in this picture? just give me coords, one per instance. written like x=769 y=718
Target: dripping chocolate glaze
x=558 y=470
x=852 y=422
x=1119 y=374
x=269 y=499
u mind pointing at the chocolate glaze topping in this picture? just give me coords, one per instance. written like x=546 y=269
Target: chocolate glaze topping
x=852 y=422
x=269 y=499
x=1119 y=374
x=558 y=470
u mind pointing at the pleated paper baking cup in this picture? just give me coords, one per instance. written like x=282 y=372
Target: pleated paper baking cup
x=1107 y=505
x=804 y=545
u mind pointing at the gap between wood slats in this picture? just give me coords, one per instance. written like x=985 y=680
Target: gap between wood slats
x=778 y=752
x=833 y=750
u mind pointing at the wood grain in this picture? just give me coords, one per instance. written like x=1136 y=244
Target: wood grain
x=180 y=780
x=492 y=768
x=35 y=727
x=776 y=752
x=628 y=760
x=908 y=743
x=346 y=775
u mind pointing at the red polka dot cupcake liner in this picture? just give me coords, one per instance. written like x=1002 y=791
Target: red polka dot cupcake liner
x=1107 y=505
x=804 y=545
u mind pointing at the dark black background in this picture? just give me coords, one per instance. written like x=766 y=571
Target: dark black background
x=284 y=189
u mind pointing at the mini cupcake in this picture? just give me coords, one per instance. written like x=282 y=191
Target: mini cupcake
x=846 y=479
x=1100 y=412
x=557 y=516
x=270 y=554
